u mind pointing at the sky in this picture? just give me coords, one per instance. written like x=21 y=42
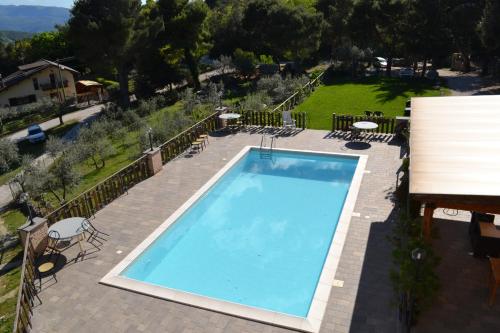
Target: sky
x=56 y=3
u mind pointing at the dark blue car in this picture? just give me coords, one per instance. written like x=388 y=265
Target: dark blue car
x=35 y=134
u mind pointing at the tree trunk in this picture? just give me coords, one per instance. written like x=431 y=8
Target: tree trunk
x=424 y=67
x=95 y=162
x=466 y=59
x=55 y=195
x=60 y=114
x=123 y=81
x=193 y=67
x=485 y=66
x=388 y=69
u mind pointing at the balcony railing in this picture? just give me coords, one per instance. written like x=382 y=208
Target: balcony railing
x=56 y=85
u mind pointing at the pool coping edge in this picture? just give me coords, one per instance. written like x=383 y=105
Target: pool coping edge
x=311 y=323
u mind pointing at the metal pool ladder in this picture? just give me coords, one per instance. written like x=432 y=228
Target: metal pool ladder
x=266 y=146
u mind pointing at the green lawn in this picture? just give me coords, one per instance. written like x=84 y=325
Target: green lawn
x=10 y=220
x=9 y=284
x=354 y=96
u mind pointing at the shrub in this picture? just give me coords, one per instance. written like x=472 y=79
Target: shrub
x=223 y=64
x=416 y=279
x=132 y=120
x=256 y=102
x=266 y=59
x=168 y=125
x=280 y=89
x=112 y=111
x=214 y=94
x=189 y=101
x=146 y=107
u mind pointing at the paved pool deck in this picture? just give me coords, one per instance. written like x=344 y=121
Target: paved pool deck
x=78 y=303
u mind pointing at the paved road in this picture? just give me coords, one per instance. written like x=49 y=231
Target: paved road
x=82 y=116
x=77 y=115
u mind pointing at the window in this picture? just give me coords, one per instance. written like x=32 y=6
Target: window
x=35 y=83
x=22 y=100
x=52 y=80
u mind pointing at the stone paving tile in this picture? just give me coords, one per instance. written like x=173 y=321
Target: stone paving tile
x=78 y=303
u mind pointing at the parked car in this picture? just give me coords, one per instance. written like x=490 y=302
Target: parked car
x=406 y=72
x=380 y=62
x=35 y=134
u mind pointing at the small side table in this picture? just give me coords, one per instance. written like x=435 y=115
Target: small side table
x=494 y=278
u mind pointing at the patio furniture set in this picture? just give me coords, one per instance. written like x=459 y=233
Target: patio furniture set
x=360 y=127
x=61 y=236
x=200 y=143
x=485 y=241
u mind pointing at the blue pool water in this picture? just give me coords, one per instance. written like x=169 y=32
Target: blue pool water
x=258 y=237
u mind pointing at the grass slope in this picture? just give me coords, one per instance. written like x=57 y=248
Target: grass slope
x=348 y=96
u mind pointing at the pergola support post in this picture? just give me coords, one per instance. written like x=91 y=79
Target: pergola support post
x=428 y=214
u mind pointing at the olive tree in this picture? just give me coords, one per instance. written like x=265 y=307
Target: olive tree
x=8 y=154
x=93 y=143
x=62 y=175
x=4 y=114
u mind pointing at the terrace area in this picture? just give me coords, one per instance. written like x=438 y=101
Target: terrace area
x=361 y=301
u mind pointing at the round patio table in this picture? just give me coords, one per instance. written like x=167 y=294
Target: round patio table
x=68 y=229
x=365 y=125
x=229 y=120
x=230 y=116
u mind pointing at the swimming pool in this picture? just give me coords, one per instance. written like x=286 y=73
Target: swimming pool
x=260 y=240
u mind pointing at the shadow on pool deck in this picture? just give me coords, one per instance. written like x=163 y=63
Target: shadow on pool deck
x=374 y=308
x=462 y=304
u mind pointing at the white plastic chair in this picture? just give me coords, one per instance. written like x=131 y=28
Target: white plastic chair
x=288 y=121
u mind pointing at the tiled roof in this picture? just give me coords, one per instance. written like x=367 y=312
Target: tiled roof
x=25 y=71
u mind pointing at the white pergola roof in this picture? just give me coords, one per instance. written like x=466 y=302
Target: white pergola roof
x=455 y=146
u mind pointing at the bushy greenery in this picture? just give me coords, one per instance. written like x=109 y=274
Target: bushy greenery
x=28 y=113
x=223 y=63
x=165 y=127
x=416 y=279
x=150 y=105
x=280 y=89
x=256 y=102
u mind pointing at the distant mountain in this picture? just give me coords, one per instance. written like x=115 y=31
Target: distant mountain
x=7 y=36
x=32 y=18
x=50 y=3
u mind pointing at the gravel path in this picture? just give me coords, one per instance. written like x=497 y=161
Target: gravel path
x=468 y=84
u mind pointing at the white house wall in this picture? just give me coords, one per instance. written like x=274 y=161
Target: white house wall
x=26 y=88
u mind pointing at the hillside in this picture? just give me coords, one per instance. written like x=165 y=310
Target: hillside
x=7 y=36
x=31 y=18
